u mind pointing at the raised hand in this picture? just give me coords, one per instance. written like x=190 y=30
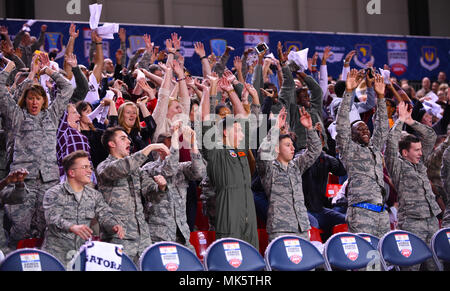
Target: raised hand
x=404 y=113
x=169 y=46
x=176 y=41
x=354 y=78
x=230 y=76
x=349 y=57
x=237 y=62
x=95 y=37
x=122 y=34
x=305 y=118
x=379 y=87
x=225 y=85
x=148 y=43
x=73 y=31
x=281 y=118
x=71 y=59
x=199 y=49
x=327 y=53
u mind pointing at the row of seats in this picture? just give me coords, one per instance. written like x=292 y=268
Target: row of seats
x=342 y=251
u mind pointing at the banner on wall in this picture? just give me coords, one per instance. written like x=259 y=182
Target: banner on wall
x=409 y=57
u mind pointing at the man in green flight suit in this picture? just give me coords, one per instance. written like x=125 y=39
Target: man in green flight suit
x=229 y=174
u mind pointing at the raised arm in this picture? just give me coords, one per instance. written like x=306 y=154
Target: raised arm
x=200 y=51
x=73 y=35
x=344 y=137
x=99 y=58
x=381 y=128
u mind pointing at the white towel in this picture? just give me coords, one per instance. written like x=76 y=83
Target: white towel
x=108 y=29
x=101 y=256
x=101 y=112
x=300 y=58
x=95 y=11
x=386 y=75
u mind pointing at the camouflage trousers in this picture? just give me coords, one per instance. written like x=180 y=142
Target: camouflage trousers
x=367 y=221
x=274 y=235
x=159 y=236
x=27 y=219
x=133 y=248
x=424 y=229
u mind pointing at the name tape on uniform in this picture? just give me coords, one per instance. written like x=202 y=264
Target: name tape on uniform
x=350 y=247
x=233 y=254
x=169 y=257
x=403 y=244
x=30 y=262
x=293 y=250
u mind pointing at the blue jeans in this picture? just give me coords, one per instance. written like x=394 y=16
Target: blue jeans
x=327 y=218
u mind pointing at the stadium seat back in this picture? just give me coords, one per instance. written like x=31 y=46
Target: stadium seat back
x=347 y=251
x=292 y=253
x=440 y=247
x=230 y=254
x=169 y=256
x=402 y=248
x=31 y=260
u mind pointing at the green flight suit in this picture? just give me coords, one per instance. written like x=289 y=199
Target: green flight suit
x=229 y=174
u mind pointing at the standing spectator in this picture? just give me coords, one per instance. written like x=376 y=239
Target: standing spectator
x=405 y=160
x=71 y=206
x=363 y=160
x=34 y=125
x=121 y=183
x=281 y=177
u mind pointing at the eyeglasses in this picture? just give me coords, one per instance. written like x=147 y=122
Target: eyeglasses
x=85 y=167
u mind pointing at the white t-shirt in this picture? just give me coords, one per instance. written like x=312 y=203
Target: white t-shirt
x=92 y=95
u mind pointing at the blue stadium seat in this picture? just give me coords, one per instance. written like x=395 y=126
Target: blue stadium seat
x=31 y=260
x=79 y=263
x=440 y=247
x=370 y=238
x=169 y=256
x=402 y=249
x=230 y=254
x=292 y=253
x=348 y=251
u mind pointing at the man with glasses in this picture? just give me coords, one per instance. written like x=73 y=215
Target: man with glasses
x=71 y=205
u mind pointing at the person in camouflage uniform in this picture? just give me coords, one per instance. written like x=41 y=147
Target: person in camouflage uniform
x=167 y=213
x=120 y=180
x=445 y=176
x=70 y=207
x=434 y=165
x=405 y=160
x=12 y=191
x=33 y=125
x=363 y=160
x=281 y=176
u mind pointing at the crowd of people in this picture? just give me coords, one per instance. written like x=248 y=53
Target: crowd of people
x=121 y=150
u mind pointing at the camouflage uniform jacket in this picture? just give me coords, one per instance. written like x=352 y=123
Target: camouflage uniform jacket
x=283 y=186
x=63 y=209
x=35 y=136
x=167 y=211
x=445 y=175
x=434 y=165
x=364 y=164
x=415 y=197
x=119 y=180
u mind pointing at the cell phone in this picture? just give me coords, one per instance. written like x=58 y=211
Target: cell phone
x=369 y=72
x=260 y=48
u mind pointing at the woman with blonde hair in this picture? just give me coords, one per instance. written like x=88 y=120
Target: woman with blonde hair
x=33 y=124
x=128 y=118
